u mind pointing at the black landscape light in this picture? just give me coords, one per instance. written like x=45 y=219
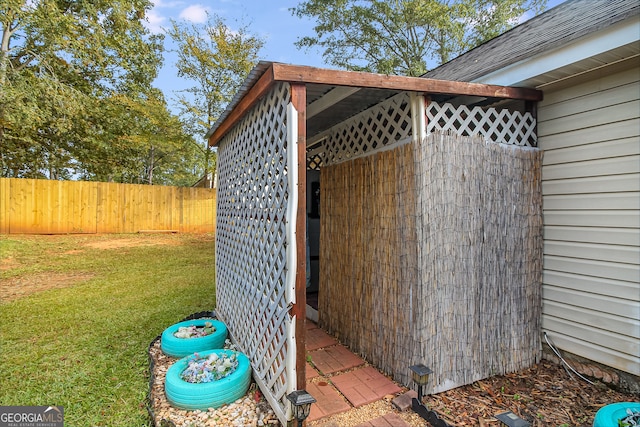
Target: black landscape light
x=301 y=401
x=420 y=375
x=512 y=420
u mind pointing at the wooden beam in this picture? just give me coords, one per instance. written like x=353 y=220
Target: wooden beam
x=299 y=309
x=303 y=74
x=334 y=96
x=254 y=94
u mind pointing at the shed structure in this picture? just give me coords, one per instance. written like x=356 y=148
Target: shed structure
x=430 y=223
x=585 y=57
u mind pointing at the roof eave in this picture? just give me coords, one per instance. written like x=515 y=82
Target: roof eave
x=277 y=72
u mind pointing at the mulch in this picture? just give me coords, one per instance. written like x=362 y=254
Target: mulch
x=543 y=395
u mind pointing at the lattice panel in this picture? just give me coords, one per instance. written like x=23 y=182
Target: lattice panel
x=503 y=126
x=390 y=122
x=379 y=126
x=250 y=242
x=314 y=161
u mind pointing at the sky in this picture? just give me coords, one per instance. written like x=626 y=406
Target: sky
x=270 y=20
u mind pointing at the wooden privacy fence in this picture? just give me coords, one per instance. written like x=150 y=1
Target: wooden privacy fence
x=50 y=207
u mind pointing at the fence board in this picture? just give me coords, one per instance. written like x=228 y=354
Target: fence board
x=51 y=207
x=4 y=206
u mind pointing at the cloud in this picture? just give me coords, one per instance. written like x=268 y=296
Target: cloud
x=163 y=3
x=195 y=13
x=155 y=21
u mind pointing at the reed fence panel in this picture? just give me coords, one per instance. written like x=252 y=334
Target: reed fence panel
x=32 y=206
x=431 y=253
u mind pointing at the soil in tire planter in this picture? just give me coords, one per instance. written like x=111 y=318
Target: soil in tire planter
x=181 y=347
x=186 y=395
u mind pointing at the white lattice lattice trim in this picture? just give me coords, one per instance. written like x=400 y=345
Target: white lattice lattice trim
x=503 y=126
x=379 y=126
x=390 y=122
x=252 y=246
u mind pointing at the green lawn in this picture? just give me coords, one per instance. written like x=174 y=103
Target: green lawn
x=83 y=342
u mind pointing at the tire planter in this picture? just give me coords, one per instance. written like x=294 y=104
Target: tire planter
x=608 y=416
x=186 y=395
x=181 y=347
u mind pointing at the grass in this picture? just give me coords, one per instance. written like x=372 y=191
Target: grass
x=82 y=344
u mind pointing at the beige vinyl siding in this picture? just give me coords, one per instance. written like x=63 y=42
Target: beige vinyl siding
x=590 y=134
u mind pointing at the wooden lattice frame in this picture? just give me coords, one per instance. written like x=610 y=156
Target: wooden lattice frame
x=389 y=123
x=254 y=290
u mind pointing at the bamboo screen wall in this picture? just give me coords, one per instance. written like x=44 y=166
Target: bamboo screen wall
x=431 y=253
x=253 y=295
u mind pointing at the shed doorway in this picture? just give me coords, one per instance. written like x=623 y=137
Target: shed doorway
x=313 y=244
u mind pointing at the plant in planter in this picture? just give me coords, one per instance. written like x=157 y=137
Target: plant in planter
x=632 y=419
x=191 y=336
x=214 y=367
x=194 y=331
x=208 y=379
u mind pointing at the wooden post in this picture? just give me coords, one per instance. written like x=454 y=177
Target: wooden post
x=299 y=101
x=418 y=117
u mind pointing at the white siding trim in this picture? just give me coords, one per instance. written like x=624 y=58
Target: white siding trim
x=590 y=133
x=619 y=147
x=596 y=352
x=595 y=285
x=597 y=184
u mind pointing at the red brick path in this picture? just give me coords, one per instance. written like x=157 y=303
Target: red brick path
x=341 y=380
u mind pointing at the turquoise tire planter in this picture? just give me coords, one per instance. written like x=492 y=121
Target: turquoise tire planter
x=181 y=347
x=608 y=416
x=185 y=395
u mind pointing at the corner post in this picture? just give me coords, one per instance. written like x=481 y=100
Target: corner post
x=418 y=116
x=299 y=101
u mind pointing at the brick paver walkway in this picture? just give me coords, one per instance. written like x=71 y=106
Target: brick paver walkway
x=328 y=400
x=317 y=338
x=311 y=372
x=333 y=359
x=339 y=380
x=364 y=385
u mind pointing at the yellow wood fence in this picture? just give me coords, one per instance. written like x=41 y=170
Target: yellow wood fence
x=49 y=207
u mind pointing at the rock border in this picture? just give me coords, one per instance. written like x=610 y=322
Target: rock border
x=250 y=410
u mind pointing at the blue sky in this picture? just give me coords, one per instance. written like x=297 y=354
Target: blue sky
x=269 y=19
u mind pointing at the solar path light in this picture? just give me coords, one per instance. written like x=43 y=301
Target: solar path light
x=301 y=401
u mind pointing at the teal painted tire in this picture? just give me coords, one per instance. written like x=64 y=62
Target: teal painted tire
x=608 y=416
x=181 y=347
x=186 y=395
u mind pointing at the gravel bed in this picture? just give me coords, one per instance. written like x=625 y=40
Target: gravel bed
x=252 y=410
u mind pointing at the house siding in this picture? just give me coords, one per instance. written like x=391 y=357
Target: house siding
x=590 y=134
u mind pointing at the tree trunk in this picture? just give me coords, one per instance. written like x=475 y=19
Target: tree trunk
x=151 y=161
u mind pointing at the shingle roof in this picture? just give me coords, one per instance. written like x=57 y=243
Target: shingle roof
x=556 y=27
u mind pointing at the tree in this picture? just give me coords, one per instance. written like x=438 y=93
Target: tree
x=217 y=60
x=403 y=36
x=145 y=143
x=75 y=93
